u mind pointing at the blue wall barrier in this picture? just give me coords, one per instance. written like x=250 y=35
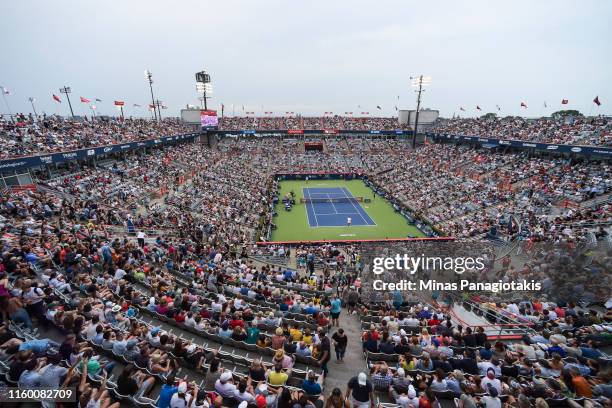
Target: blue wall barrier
x=522 y=144
x=82 y=154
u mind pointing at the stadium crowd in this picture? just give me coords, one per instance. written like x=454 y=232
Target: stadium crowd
x=330 y=122
x=591 y=131
x=27 y=136
x=190 y=312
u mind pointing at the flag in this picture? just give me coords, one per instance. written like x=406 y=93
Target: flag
x=151 y=106
x=461 y=108
x=5 y=91
x=564 y=101
x=98 y=100
x=546 y=106
x=93 y=107
x=136 y=105
x=478 y=107
x=85 y=100
x=378 y=107
x=596 y=101
x=396 y=108
x=119 y=103
x=523 y=105
x=57 y=98
x=164 y=107
x=498 y=108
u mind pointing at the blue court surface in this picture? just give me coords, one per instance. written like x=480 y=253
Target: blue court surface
x=334 y=214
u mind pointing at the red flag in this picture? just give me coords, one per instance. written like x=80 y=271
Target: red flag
x=85 y=100
x=119 y=103
x=57 y=98
x=596 y=101
x=564 y=101
x=523 y=105
x=478 y=107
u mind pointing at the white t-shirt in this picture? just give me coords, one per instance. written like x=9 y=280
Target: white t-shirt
x=120 y=273
x=491 y=402
x=178 y=402
x=348 y=220
x=34 y=295
x=141 y=235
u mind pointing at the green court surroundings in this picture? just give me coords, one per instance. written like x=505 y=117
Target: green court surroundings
x=320 y=219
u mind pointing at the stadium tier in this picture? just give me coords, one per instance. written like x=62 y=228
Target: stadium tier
x=26 y=136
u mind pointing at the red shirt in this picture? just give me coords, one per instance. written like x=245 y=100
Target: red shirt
x=235 y=322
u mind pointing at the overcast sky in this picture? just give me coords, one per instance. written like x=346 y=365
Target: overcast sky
x=309 y=56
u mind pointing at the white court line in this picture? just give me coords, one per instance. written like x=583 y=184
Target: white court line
x=353 y=204
x=357 y=209
x=305 y=190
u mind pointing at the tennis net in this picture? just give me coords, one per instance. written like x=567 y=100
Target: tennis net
x=332 y=200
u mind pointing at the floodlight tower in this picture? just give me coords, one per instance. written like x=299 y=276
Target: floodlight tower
x=418 y=82
x=203 y=86
x=149 y=77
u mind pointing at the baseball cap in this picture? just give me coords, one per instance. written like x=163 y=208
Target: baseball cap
x=226 y=376
x=261 y=402
x=182 y=388
x=362 y=379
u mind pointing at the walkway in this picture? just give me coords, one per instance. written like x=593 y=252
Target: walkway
x=354 y=363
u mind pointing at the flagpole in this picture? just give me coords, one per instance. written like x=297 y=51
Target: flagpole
x=6 y=102
x=31 y=99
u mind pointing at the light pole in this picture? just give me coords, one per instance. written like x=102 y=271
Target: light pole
x=149 y=77
x=66 y=90
x=418 y=82
x=203 y=86
x=159 y=105
x=31 y=99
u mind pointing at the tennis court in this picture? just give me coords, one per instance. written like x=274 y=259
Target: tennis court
x=332 y=206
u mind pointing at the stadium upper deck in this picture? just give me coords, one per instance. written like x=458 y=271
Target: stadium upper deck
x=26 y=136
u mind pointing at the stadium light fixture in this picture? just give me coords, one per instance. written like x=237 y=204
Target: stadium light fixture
x=418 y=82
x=67 y=90
x=149 y=77
x=203 y=86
